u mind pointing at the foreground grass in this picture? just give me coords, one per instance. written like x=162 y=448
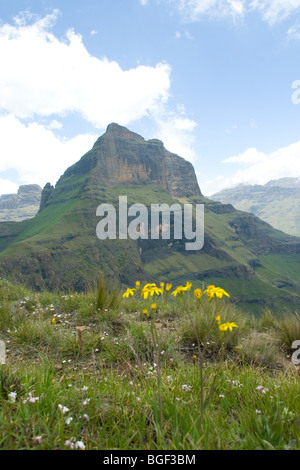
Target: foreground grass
x=80 y=377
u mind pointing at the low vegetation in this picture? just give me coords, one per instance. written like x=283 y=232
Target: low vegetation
x=154 y=367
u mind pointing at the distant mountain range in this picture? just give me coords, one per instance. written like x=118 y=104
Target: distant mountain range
x=58 y=249
x=21 y=206
x=277 y=202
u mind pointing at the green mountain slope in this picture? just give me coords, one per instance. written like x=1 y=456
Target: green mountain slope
x=277 y=202
x=58 y=249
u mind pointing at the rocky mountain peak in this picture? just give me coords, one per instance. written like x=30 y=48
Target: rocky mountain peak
x=115 y=130
x=122 y=157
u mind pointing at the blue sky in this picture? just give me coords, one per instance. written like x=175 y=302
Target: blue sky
x=213 y=79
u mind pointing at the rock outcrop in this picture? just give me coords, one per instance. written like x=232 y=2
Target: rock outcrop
x=46 y=193
x=21 y=206
x=121 y=157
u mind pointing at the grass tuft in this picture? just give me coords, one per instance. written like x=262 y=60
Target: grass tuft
x=145 y=373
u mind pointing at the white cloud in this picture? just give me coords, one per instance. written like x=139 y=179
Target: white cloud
x=293 y=33
x=177 y=138
x=41 y=75
x=258 y=168
x=193 y=10
x=274 y=11
x=179 y=35
x=35 y=152
x=271 y=11
x=8 y=187
x=175 y=130
x=55 y=125
x=233 y=128
x=250 y=156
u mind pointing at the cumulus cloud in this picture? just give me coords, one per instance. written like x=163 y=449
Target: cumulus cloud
x=250 y=156
x=257 y=168
x=41 y=75
x=7 y=187
x=36 y=153
x=175 y=129
x=44 y=78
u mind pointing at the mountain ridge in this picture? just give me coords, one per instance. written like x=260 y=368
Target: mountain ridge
x=277 y=202
x=58 y=249
x=22 y=205
x=120 y=156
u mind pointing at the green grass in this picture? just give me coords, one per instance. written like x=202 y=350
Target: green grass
x=59 y=249
x=81 y=376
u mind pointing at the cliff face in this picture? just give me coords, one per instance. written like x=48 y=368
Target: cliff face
x=121 y=157
x=46 y=193
x=21 y=206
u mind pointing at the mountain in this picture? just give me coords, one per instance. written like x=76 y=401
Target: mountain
x=58 y=249
x=21 y=206
x=277 y=202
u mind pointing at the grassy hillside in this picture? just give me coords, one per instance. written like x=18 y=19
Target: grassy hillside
x=277 y=202
x=99 y=371
x=59 y=250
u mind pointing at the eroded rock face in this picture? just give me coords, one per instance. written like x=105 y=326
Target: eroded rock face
x=46 y=193
x=122 y=157
x=21 y=206
x=28 y=195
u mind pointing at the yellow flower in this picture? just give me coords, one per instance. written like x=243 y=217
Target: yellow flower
x=53 y=321
x=149 y=289
x=198 y=293
x=162 y=284
x=155 y=291
x=137 y=285
x=179 y=290
x=213 y=291
x=220 y=292
x=227 y=326
x=129 y=293
x=218 y=319
x=168 y=288
x=145 y=311
x=188 y=286
x=153 y=306
x=145 y=292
